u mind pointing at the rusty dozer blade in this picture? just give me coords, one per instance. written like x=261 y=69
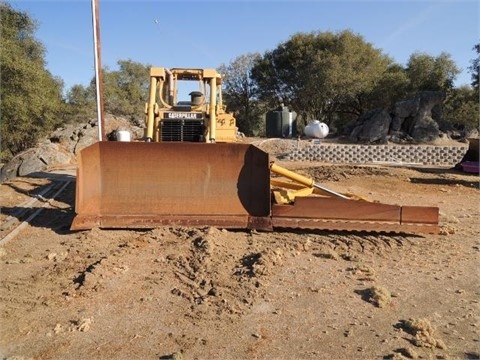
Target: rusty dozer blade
x=143 y=185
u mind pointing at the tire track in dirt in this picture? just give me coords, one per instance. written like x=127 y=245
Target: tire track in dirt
x=288 y=292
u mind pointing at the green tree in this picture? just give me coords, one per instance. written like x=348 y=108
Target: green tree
x=461 y=110
x=31 y=98
x=80 y=104
x=475 y=67
x=390 y=87
x=126 y=90
x=324 y=75
x=427 y=72
x=240 y=94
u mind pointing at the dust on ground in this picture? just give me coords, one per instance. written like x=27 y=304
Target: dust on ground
x=209 y=293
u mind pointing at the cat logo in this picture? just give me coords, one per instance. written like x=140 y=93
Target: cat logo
x=182 y=115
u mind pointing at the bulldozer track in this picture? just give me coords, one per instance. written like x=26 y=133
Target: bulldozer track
x=23 y=214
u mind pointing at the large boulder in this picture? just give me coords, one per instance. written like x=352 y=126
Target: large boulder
x=74 y=137
x=371 y=127
x=417 y=117
x=414 y=120
x=62 y=146
x=425 y=129
x=37 y=159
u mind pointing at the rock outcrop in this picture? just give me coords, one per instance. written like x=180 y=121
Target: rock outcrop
x=372 y=127
x=414 y=116
x=62 y=146
x=45 y=155
x=413 y=120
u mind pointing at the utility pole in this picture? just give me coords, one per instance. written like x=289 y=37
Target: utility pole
x=98 y=70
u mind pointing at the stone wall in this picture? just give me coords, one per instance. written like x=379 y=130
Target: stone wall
x=365 y=154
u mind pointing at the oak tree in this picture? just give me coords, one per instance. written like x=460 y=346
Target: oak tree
x=240 y=94
x=30 y=96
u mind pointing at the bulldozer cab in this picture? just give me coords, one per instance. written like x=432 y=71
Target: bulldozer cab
x=202 y=118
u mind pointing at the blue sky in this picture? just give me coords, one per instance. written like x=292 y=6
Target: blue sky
x=208 y=33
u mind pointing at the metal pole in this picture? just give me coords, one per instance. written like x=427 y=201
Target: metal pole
x=98 y=70
x=213 y=109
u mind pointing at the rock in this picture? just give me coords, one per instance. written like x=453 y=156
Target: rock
x=371 y=127
x=418 y=116
x=62 y=146
x=425 y=129
x=414 y=120
x=37 y=159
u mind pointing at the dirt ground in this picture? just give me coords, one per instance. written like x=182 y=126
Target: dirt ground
x=209 y=293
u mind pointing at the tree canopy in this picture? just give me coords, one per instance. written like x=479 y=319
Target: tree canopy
x=426 y=72
x=241 y=93
x=30 y=96
x=461 y=110
x=126 y=89
x=321 y=74
x=475 y=67
x=125 y=92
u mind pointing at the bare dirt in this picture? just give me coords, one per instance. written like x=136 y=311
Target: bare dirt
x=209 y=293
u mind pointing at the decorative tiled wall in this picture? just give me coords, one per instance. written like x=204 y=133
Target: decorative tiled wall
x=364 y=154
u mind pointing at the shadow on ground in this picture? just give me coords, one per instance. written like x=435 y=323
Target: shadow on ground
x=53 y=208
x=447 y=177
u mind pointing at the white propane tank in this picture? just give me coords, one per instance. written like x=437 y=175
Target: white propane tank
x=123 y=135
x=316 y=129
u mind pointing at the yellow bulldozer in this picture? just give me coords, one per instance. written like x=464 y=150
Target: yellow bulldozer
x=190 y=170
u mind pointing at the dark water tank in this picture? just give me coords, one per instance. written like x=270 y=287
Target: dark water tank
x=281 y=123
x=274 y=124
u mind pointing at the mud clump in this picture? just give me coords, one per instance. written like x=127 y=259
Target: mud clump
x=447 y=230
x=82 y=325
x=423 y=332
x=379 y=296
